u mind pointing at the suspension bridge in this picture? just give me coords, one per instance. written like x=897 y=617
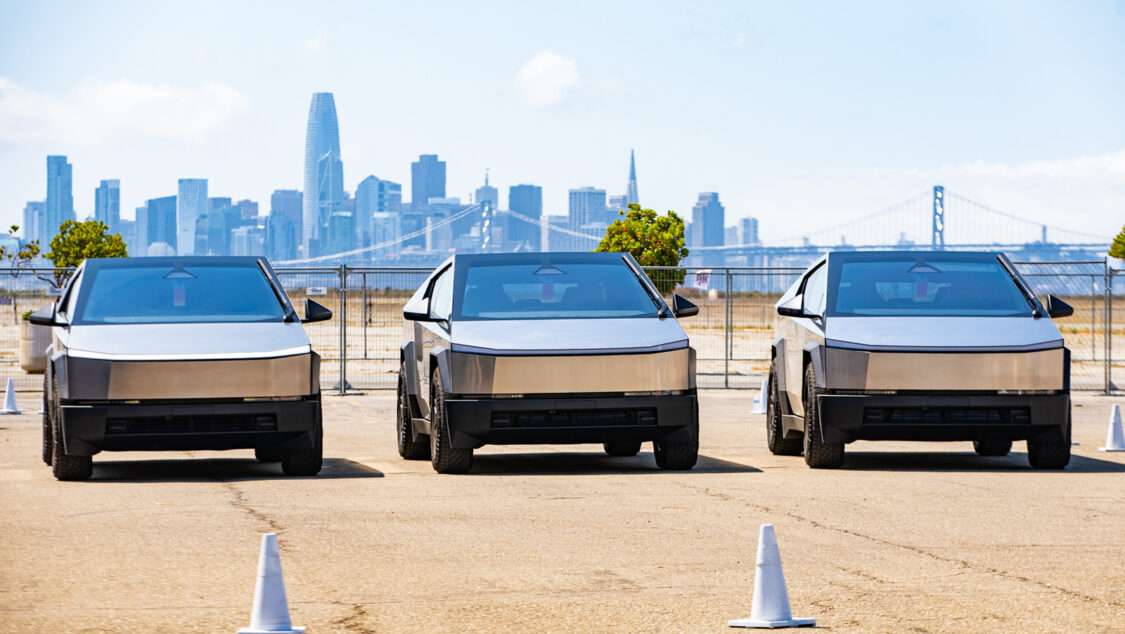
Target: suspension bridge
x=932 y=219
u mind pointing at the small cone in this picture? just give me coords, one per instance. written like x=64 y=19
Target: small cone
x=771 y=599
x=1114 y=436
x=760 y=399
x=10 y=406
x=271 y=608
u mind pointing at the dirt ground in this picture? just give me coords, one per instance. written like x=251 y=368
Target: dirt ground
x=907 y=537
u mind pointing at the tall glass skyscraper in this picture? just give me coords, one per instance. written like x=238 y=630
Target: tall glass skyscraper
x=631 y=186
x=60 y=198
x=107 y=203
x=191 y=205
x=707 y=218
x=526 y=200
x=427 y=180
x=324 y=173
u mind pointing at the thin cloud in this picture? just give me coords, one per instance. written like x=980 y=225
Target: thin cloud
x=97 y=111
x=316 y=43
x=546 y=78
x=1095 y=168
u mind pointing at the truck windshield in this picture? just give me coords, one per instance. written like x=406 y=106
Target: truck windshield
x=929 y=285
x=143 y=293
x=558 y=289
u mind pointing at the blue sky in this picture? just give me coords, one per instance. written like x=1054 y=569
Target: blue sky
x=799 y=113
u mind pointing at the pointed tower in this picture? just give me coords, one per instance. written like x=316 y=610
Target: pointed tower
x=631 y=188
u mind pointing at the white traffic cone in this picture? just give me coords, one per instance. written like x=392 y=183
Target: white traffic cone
x=10 y=406
x=771 y=599
x=760 y=399
x=271 y=608
x=1114 y=436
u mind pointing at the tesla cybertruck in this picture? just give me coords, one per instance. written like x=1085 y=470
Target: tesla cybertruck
x=179 y=353
x=942 y=346
x=545 y=348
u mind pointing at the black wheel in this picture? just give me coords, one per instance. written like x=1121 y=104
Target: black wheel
x=268 y=454
x=63 y=466
x=778 y=444
x=48 y=449
x=622 y=447
x=679 y=456
x=443 y=456
x=818 y=454
x=1051 y=455
x=992 y=447
x=408 y=447
x=308 y=461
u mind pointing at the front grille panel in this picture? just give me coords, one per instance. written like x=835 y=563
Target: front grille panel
x=592 y=418
x=213 y=424
x=946 y=416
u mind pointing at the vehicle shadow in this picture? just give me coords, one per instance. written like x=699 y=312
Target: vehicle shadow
x=575 y=463
x=969 y=462
x=211 y=469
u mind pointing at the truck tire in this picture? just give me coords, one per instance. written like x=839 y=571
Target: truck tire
x=778 y=444
x=65 y=467
x=443 y=456
x=307 y=461
x=622 y=448
x=408 y=447
x=48 y=449
x=1051 y=455
x=679 y=456
x=992 y=447
x=818 y=454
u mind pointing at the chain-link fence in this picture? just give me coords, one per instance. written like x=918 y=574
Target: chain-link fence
x=360 y=345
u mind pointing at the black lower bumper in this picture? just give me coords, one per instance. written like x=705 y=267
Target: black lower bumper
x=88 y=429
x=476 y=422
x=1040 y=417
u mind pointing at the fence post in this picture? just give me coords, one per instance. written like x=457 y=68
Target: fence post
x=1107 y=324
x=728 y=345
x=365 y=318
x=343 y=296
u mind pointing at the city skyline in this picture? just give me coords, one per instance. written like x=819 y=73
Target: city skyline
x=797 y=114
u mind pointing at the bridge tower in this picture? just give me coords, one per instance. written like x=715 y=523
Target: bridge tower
x=938 y=241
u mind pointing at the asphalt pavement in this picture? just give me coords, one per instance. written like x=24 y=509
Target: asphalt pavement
x=924 y=537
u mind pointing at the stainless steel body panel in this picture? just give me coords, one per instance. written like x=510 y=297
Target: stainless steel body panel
x=574 y=374
x=1009 y=371
x=568 y=336
x=949 y=333
x=142 y=380
x=162 y=342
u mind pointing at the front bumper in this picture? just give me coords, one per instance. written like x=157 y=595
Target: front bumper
x=88 y=429
x=848 y=417
x=478 y=421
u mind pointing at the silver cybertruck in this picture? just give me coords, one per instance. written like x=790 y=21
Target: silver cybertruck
x=918 y=346
x=179 y=353
x=545 y=348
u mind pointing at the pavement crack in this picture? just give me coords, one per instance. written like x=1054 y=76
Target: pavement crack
x=354 y=620
x=240 y=502
x=915 y=549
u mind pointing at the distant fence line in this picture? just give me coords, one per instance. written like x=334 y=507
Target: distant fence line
x=732 y=333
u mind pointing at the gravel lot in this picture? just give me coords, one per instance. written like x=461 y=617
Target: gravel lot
x=907 y=537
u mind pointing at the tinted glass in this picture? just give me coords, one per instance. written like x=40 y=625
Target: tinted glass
x=558 y=290
x=816 y=290
x=146 y=294
x=928 y=286
x=441 y=302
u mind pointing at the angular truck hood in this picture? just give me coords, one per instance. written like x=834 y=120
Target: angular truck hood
x=943 y=333
x=568 y=336
x=168 y=342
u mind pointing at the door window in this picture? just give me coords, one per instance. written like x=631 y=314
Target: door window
x=816 y=291
x=441 y=296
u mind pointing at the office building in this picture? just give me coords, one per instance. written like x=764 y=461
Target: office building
x=35 y=223
x=487 y=193
x=427 y=180
x=247 y=240
x=248 y=210
x=631 y=186
x=707 y=221
x=289 y=203
x=587 y=206
x=324 y=173
x=60 y=195
x=748 y=231
x=526 y=200
x=107 y=203
x=157 y=223
x=191 y=206
x=375 y=196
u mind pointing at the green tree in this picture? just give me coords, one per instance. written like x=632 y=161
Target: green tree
x=1117 y=249
x=652 y=240
x=23 y=256
x=77 y=241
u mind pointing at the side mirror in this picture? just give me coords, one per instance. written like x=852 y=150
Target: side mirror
x=1058 y=308
x=682 y=307
x=315 y=312
x=45 y=316
x=417 y=309
x=794 y=308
